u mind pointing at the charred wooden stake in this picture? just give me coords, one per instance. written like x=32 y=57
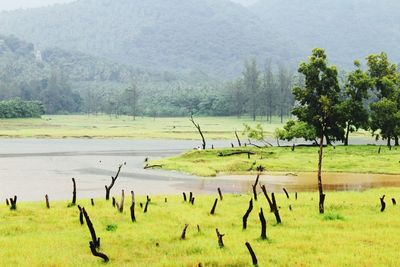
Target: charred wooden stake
x=295 y=195
x=13 y=202
x=47 y=201
x=148 y=198
x=286 y=193
x=184 y=196
x=255 y=187
x=7 y=203
x=379 y=150
x=121 y=206
x=190 y=197
x=183 y=235
x=212 y=212
x=220 y=194
x=263 y=224
x=80 y=215
x=198 y=228
x=165 y=200
x=92 y=201
x=383 y=204
x=96 y=253
x=74 y=193
x=276 y=209
x=113 y=179
x=253 y=255
x=220 y=236
x=192 y=201
x=246 y=215
x=113 y=201
x=271 y=206
x=95 y=240
x=394 y=202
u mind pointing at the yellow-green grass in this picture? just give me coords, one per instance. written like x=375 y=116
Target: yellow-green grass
x=353 y=232
x=82 y=126
x=351 y=159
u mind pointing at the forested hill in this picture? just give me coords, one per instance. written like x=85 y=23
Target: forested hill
x=211 y=36
x=347 y=29
x=22 y=61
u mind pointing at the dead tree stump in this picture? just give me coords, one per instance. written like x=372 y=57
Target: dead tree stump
x=255 y=187
x=252 y=254
x=383 y=204
x=121 y=205
x=276 y=209
x=295 y=195
x=132 y=209
x=192 y=201
x=394 y=202
x=212 y=212
x=183 y=235
x=184 y=196
x=7 y=203
x=92 y=201
x=146 y=206
x=13 y=202
x=220 y=194
x=47 y=201
x=263 y=225
x=96 y=253
x=113 y=202
x=190 y=197
x=95 y=240
x=80 y=215
x=113 y=179
x=286 y=192
x=246 y=215
x=271 y=206
x=220 y=236
x=73 y=192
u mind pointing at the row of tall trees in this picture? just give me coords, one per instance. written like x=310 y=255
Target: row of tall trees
x=17 y=108
x=263 y=93
x=369 y=99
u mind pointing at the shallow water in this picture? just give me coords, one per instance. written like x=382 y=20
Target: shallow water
x=31 y=168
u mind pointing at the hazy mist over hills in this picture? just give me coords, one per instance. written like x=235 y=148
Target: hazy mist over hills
x=213 y=37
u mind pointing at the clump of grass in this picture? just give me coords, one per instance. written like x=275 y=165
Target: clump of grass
x=111 y=227
x=333 y=217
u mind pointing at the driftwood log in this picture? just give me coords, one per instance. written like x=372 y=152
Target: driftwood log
x=113 y=179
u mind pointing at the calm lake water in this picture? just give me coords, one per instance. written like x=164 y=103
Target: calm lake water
x=31 y=168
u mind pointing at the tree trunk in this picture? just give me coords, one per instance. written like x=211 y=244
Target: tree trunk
x=320 y=189
x=346 y=139
x=396 y=141
x=388 y=141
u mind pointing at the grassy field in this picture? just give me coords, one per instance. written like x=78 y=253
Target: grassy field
x=352 y=159
x=353 y=232
x=81 y=126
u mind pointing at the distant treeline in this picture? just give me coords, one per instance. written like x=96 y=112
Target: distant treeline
x=17 y=108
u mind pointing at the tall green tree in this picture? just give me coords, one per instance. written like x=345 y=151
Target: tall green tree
x=317 y=104
x=385 y=122
x=251 y=82
x=268 y=91
x=353 y=110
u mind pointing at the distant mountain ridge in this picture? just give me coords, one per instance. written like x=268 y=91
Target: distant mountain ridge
x=347 y=29
x=212 y=36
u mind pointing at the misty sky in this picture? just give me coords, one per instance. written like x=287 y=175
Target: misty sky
x=15 y=4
